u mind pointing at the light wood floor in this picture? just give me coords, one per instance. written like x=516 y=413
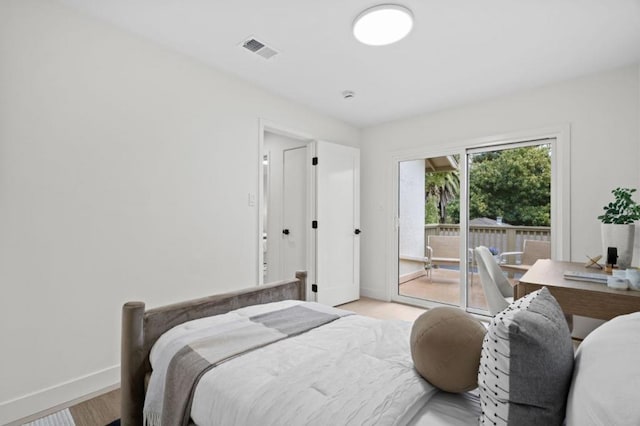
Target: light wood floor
x=105 y=408
x=383 y=310
x=98 y=411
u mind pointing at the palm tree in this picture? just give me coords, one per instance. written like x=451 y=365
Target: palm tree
x=444 y=187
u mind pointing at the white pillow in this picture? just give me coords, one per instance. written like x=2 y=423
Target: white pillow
x=606 y=379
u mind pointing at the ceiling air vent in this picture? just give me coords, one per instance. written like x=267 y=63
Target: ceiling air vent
x=259 y=48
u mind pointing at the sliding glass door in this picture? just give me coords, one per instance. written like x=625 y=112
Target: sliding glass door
x=429 y=229
x=501 y=195
x=509 y=203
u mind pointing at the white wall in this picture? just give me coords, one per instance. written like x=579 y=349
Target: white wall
x=125 y=171
x=637 y=237
x=602 y=111
x=411 y=233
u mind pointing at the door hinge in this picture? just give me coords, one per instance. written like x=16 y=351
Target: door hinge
x=314 y=288
x=314 y=161
x=314 y=224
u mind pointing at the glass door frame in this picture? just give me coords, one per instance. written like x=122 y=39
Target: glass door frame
x=394 y=242
x=496 y=148
x=560 y=201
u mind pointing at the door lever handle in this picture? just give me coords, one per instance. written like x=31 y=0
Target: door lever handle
x=357 y=231
x=285 y=231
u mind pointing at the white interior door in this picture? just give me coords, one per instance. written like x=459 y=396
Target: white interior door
x=294 y=212
x=337 y=182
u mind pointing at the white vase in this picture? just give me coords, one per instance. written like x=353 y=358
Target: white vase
x=621 y=237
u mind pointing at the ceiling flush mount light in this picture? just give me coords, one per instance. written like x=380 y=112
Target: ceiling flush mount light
x=383 y=24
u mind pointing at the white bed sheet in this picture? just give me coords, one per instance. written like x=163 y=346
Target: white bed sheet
x=449 y=409
x=342 y=373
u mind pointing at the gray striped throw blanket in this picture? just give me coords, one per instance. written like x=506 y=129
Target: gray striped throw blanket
x=187 y=352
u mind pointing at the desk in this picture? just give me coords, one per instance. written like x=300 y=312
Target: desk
x=577 y=297
x=512 y=269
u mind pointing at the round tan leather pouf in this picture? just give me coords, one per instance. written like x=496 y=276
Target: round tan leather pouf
x=445 y=347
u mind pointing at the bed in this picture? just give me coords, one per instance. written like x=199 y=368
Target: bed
x=356 y=401
x=341 y=369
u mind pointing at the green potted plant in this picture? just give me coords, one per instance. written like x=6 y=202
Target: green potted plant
x=618 y=227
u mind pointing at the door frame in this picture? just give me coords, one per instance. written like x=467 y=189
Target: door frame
x=271 y=127
x=560 y=198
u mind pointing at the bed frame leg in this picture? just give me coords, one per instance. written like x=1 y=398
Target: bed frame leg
x=132 y=364
x=302 y=276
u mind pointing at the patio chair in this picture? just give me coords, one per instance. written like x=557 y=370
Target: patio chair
x=444 y=250
x=497 y=289
x=521 y=261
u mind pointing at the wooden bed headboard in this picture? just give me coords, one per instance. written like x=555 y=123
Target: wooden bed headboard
x=141 y=329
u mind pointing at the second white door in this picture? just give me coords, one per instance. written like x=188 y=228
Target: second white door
x=337 y=182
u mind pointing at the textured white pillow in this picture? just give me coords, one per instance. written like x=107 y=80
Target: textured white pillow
x=526 y=364
x=606 y=379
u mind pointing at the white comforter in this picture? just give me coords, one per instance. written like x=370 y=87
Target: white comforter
x=353 y=371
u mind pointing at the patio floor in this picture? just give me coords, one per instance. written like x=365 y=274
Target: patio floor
x=445 y=287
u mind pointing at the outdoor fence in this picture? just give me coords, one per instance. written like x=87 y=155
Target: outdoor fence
x=502 y=237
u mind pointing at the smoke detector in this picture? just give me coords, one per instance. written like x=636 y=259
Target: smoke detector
x=259 y=48
x=348 y=94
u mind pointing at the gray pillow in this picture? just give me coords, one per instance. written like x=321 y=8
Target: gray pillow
x=526 y=364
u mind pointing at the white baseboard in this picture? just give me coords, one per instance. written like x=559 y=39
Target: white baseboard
x=374 y=294
x=58 y=397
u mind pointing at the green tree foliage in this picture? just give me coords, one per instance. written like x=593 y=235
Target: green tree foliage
x=514 y=184
x=441 y=188
x=431 y=211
